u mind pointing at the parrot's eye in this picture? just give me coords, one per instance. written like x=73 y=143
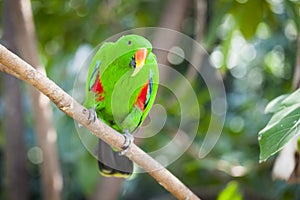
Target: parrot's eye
x=132 y=63
x=129 y=42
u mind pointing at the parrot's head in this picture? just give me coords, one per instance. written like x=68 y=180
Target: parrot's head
x=137 y=49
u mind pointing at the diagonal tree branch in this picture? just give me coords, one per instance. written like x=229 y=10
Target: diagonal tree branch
x=72 y=108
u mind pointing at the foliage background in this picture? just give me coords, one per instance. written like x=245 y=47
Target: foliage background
x=254 y=45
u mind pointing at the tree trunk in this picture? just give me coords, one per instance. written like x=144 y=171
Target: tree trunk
x=22 y=24
x=17 y=179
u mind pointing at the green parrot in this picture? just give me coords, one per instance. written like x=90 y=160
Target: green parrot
x=120 y=88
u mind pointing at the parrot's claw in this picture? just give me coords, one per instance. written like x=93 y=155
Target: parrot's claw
x=92 y=115
x=128 y=141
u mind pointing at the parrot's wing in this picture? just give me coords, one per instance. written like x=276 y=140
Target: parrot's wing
x=94 y=76
x=152 y=90
x=94 y=90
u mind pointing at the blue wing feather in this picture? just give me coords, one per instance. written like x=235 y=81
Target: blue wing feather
x=94 y=74
x=150 y=86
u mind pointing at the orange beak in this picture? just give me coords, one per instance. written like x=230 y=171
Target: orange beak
x=140 y=58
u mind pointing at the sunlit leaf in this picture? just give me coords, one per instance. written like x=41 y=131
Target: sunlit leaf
x=283 y=125
x=231 y=192
x=284 y=100
x=292 y=99
x=248 y=16
x=275 y=104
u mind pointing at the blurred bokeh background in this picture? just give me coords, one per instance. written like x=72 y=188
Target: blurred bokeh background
x=252 y=43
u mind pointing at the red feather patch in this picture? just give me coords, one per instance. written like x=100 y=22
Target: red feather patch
x=141 y=100
x=98 y=88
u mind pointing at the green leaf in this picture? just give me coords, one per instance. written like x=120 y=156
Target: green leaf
x=275 y=104
x=292 y=99
x=231 y=192
x=248 y=15
x=282 y=127
x=282 y=101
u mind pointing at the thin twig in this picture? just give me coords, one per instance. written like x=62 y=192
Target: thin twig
x=72 y=108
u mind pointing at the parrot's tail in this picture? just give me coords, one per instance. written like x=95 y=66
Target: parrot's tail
x=111 y=163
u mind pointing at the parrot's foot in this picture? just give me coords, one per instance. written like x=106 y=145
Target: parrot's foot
x=92 y=115
x=128 y=141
